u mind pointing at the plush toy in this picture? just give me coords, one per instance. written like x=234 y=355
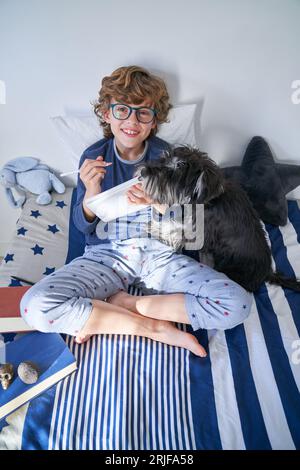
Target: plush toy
x=27 y=174
x=265 y=182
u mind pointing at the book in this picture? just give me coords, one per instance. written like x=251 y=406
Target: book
x=113 y=203
x=50 y=354
x=10 y=316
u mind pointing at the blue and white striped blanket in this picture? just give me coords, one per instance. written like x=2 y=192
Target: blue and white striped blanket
x=135 y=393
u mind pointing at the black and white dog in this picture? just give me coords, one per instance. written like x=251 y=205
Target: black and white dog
x=233 y=233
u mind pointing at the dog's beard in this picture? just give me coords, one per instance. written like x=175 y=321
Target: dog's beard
x=177 y=190
x=170 y=231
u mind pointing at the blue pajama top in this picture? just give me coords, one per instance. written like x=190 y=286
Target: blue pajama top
x=120 y=171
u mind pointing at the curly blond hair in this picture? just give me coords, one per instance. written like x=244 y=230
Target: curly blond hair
x=132 y=84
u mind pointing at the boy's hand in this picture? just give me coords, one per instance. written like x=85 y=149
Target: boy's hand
x=136 y=195
x=91 y=174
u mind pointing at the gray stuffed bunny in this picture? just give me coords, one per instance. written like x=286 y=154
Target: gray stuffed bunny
x=27 y=174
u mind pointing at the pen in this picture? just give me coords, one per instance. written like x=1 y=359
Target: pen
x=69 y=173
x=77 y=171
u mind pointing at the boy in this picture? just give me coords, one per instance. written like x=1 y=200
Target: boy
x=131 y=104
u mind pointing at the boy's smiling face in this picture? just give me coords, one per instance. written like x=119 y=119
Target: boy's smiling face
x=129 y=133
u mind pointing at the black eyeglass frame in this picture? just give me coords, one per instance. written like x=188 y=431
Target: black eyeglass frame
x=130 y=109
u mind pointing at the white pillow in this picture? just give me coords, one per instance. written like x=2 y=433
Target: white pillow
x=79 y=132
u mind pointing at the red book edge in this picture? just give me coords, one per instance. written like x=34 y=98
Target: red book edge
x=10 y=316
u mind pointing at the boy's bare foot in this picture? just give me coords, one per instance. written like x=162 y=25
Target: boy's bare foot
x=119 y=320
x=122 y=299
x=81 y=338
x=161 y=330
x=167 y=332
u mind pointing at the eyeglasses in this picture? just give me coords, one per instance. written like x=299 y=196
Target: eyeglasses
x=123 y=111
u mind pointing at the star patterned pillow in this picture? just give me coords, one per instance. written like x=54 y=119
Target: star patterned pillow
x=40 y=243
x=265 y=182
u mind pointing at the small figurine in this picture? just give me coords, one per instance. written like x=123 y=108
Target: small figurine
x=28 y=372
x=6 y=375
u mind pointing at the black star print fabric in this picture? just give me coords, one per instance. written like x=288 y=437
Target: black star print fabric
x=42 y=242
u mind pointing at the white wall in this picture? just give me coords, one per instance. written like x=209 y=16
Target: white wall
x=236 y=58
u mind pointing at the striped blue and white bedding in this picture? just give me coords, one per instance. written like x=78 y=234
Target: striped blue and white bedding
x=134 y=393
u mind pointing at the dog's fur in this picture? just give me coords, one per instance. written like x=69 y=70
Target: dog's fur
x=233 y=233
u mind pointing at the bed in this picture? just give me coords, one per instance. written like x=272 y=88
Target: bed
x=132 y=393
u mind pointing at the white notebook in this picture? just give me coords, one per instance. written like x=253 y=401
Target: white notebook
x=113 y=203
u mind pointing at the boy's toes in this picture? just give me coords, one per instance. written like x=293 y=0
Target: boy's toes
x=197 y=349
x=80 y=338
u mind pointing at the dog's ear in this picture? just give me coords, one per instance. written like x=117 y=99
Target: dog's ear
x=209 y=185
